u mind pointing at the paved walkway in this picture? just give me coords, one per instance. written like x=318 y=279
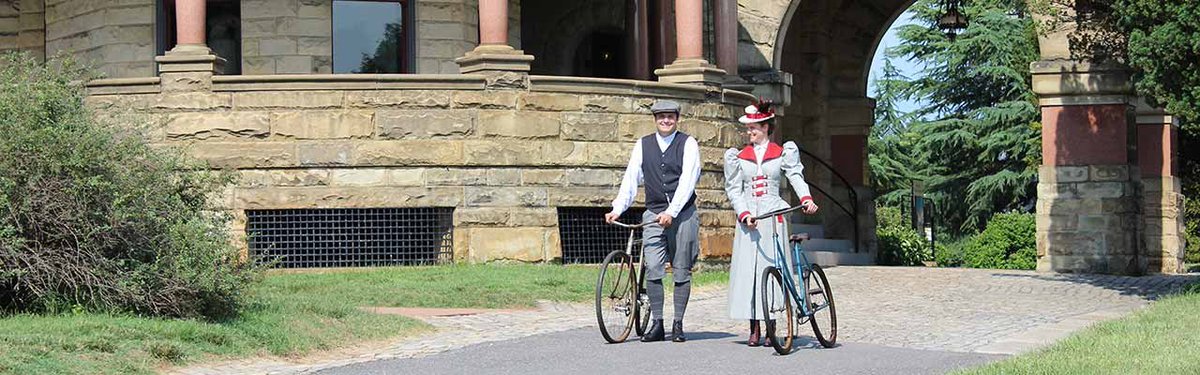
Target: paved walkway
x=932 y=309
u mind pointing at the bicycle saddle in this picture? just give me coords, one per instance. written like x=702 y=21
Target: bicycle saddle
x=799 y=237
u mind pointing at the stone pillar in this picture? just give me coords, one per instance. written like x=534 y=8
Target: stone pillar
x=1088 y=211
x=505 y=66
x=690 y=66
x=1162 y=200
x=191 y=64
x=850 y=121
x=637 y=39
x=725 y=14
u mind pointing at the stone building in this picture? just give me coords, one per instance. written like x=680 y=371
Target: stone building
x=481 y=130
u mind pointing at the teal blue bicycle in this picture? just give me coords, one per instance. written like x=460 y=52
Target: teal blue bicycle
x=783 y=291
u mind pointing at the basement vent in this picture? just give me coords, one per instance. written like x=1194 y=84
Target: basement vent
x=586 y=238
x=351 y=237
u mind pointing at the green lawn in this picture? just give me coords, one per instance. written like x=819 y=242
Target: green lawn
x=1162 y=339
x=293 y=314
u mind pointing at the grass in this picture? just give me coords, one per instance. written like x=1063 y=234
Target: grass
x=1162 y=339
x=292 y=314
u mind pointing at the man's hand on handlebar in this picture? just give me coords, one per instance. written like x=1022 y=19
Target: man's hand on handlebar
x=611 y=217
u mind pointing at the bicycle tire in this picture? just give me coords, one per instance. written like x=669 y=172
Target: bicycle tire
x=773 y=289
x=619 y=300
x=822 y=292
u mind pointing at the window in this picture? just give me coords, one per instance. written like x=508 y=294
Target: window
x=586 y=238
x=351 y=237
x=223 y=25
x=372 y=36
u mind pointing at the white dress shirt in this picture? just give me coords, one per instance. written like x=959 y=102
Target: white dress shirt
x=687 y=177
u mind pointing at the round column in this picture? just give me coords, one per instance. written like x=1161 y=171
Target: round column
x=189 y=22
x=689 y=18
x=493 y=22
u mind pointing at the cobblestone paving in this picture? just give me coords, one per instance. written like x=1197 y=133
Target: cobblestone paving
x=960 y=310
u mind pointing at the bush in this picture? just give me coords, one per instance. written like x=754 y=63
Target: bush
x=91 y=216
x=950 y=253
x=1008 y=242
x=899 y=244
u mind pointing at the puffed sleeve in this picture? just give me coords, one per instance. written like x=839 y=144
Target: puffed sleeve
x=795 y=171
x=734 y=184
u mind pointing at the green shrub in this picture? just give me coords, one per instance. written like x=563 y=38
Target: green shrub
x=950 y=253
x=91 y=216
x=1008 y=242
x=899 y=244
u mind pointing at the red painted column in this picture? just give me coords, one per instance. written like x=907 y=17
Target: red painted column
x=189 y=22
x=689 y=39
x=493 y=22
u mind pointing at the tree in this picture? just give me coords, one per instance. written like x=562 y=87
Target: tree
x=980 y=151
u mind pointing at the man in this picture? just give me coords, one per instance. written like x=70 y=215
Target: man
x=668 y=161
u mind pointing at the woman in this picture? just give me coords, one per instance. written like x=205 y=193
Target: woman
x=752 y=182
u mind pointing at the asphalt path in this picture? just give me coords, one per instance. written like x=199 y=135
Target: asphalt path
x=583 y=351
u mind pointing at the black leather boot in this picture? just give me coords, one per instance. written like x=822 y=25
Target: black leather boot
x=677 y=332
x=655 y=333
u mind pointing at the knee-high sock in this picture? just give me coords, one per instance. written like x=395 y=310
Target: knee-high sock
x=682 y=292
x=654 y=289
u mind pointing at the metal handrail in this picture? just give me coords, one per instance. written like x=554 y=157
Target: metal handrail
x=852 y=212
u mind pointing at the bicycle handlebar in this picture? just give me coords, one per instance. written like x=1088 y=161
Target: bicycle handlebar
x=630 y=226
x=778 y=212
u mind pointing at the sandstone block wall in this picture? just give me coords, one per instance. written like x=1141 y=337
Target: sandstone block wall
x=1089 y=220
x=115 y=37
x=505 y=159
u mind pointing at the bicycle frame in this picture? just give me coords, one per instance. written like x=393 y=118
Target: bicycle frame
x=800 y=266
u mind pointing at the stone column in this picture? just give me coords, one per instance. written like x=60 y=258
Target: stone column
x=505 y=66
x=850 y=121
x=637 y=39
x=1162 y=200
x=1088 y=210
x=690 y=66
x=191 y=64
x=725 y=14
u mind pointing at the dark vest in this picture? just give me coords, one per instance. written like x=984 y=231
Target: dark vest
x=661 y=170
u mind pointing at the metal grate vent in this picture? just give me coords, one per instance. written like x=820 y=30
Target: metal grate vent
x=586 y=238
x=351 y=237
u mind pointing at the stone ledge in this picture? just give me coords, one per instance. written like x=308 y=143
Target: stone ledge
x=304 y=82
x=122 y=86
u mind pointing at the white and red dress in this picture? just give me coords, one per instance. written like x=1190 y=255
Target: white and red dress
x=753 y=176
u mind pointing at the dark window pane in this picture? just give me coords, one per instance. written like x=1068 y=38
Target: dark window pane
x=368 y=37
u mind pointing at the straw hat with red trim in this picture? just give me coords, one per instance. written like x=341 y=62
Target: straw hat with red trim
x=758 y=112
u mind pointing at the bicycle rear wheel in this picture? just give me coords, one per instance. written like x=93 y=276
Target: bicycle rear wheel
x=777 y=308
x=820 y=304
x=641 y=310
x=616 y=297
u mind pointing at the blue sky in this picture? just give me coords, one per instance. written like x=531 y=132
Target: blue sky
x=907 y=68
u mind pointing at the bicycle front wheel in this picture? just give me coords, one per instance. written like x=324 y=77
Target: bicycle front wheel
x=777 y=311
x=616 y=297
x=820 y=304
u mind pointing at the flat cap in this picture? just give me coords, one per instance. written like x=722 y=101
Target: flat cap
x=664 y=106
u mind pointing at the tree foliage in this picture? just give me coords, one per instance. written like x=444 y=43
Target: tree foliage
x=976 y=144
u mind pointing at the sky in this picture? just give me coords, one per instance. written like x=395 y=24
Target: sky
x=906 y=68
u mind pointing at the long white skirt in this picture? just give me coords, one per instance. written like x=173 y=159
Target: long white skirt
x=753 y=251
